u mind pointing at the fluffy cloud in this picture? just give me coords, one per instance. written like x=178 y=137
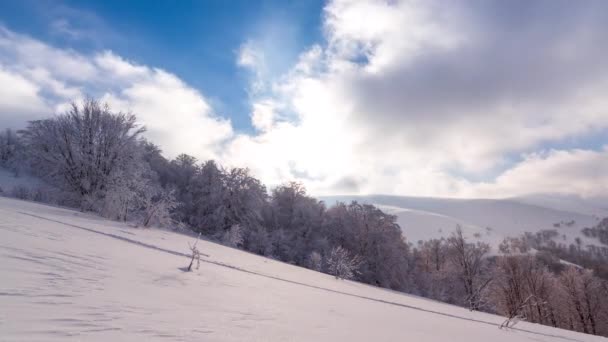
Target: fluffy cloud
x=37 y=80
x=407 y=97
x=176 y=116
x=263 y=115
x=576 y=171
x=18 y=97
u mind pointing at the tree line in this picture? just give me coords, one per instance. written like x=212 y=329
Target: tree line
x=95 y=159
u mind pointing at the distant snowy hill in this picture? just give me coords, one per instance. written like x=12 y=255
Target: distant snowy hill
x=594 y=206
x=69 y=276
x=489 y=220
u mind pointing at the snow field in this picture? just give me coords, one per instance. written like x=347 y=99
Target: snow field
x=72 y=276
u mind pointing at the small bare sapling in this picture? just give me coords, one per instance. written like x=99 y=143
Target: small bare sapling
x=195 y=254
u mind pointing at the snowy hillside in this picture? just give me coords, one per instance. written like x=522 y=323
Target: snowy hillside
x=489 y=220
x=73 y=276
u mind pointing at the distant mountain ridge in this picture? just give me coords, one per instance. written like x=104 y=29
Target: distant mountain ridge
x=489 y=220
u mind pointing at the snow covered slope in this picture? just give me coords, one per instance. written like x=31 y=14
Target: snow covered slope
x=489 y=220
x=68 y=276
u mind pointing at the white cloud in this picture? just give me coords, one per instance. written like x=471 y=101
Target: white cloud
x=176 y=116
x=386 y=33
x=19 y=99
x=406 y=96
x=120 y=68
x=37 y=79
x=21 y=52
x=582 y=172
x=263 y=116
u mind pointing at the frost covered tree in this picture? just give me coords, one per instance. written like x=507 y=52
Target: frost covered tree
x=541 y=286
x=508 y=288
x=431 y=277
x=341 y=264
x=523 y=289
x=294 y=222
x=82 y=148
x=156 y=205
x=245 y=198
x=164 y=173
x=582 y=292
x=233 y=237
x=433 y=253
x=11 y=151
x=214 y=199
x=202 y=198
x=122 y=194
x=258 y=240
x=468 y=262
x=7 y=146
x=133 y=193
x=376 y=238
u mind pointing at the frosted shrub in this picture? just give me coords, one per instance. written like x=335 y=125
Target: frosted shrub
x=341 y=265
x=233 y=237
x=156 y=206
x=315 y=261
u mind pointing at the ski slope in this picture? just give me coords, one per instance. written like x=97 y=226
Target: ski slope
x=69 y=276
x=489 y=220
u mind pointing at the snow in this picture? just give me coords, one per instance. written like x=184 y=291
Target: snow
x=73 y=276
x=594 y=206
x=489 y=220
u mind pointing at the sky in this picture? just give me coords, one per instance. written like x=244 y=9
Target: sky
x=419 y=98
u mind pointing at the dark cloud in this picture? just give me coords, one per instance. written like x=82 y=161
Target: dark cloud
x=347 y=185
x=516 y=63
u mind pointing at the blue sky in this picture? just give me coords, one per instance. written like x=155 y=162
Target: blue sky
x=432 y=98
x=196 y=40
